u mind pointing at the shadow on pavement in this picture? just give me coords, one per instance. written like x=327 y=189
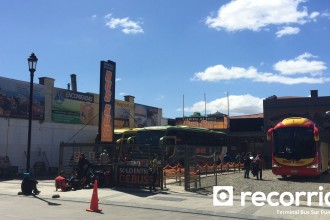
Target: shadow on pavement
x=141 y=192
x=49 y=203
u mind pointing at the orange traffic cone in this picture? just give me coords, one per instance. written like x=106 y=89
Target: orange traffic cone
x=94 y=207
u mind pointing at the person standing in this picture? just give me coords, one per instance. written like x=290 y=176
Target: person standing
x=82 y=170
x=153 y=172
x=104 y=157
x=260 y=165
x=238 y=158
x=247 y=166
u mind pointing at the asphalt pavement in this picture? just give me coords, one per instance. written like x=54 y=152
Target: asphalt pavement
x=131 y=203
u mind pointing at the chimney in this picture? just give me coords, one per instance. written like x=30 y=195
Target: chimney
x=314 y=94
x=68 y=86
x=74 y=82
x=129 y=98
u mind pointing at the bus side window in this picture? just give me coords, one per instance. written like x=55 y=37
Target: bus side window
x=169 y=151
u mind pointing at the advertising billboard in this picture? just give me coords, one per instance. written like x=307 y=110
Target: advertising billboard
x=204 y=122
x=14 y=99
x=74 y=107
x=146 y=116
x=122 y=114
x=107 y=100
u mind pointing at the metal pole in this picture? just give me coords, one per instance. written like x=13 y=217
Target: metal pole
x=30 y=123
x=186 y=169
x=205 y=104
x=227 y=103
x=183 y=106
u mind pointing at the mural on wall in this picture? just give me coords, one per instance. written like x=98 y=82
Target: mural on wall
x=122 y=114
x=74 y=107
x=14 y=99
x=146 y=116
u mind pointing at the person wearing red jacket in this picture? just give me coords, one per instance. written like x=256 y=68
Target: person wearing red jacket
x=259 y=160
x=61 y=182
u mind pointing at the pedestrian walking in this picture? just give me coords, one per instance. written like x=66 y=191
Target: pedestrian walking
x=247 y=166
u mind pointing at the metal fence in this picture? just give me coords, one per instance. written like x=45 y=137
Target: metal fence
x=191 y=167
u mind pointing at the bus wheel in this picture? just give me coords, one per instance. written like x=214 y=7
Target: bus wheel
x=284 y=176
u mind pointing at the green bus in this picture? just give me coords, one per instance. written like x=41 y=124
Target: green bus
x=123 y=134
x=171 y=143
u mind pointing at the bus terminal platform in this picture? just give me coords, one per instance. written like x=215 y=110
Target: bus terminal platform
x=136 y=203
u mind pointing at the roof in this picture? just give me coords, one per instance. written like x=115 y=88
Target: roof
x=178 y=127
x=260 y=115
x=291 y=97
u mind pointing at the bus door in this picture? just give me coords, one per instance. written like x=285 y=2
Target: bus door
x=168 y=144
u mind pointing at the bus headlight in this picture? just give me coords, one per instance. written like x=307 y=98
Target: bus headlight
x=314 y=166
x=275 y=165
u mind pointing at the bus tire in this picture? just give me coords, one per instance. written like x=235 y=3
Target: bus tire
x=284 y=176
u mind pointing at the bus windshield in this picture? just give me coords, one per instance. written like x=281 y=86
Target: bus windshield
x=294 y=143
x=151 y=137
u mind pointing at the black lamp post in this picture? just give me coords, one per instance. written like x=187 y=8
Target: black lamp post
x=32 y=60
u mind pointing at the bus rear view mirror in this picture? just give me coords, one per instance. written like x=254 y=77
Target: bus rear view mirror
x=270 y=134
x=316 y=134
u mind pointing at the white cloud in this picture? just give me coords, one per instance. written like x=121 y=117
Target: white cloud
x=255 y=15
x=118 y=79
x=314 y=15
x=93 y=17
x=301 y=65
x=238 y=105
x=220 y=72
x=325 y=14
x=128 y=26
x=287 y=31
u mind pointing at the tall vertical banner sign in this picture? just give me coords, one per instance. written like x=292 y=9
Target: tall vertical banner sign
x=107 y=100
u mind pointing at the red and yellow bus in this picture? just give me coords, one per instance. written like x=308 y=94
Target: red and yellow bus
x=297 y=149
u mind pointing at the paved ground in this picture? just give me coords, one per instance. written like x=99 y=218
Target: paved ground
x=172 y=203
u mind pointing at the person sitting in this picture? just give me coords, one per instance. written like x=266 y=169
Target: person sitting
x=29 y=185
x=62 y=183
x=75 y=182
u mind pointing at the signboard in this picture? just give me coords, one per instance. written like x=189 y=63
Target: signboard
x=204 y=122
x=134 y=176
x=107 y=100
x=74 y=107
x=14 y=99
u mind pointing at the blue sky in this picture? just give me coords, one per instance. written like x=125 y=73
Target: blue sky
x=164 y=49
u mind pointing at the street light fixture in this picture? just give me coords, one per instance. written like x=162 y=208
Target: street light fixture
x=32 y=60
